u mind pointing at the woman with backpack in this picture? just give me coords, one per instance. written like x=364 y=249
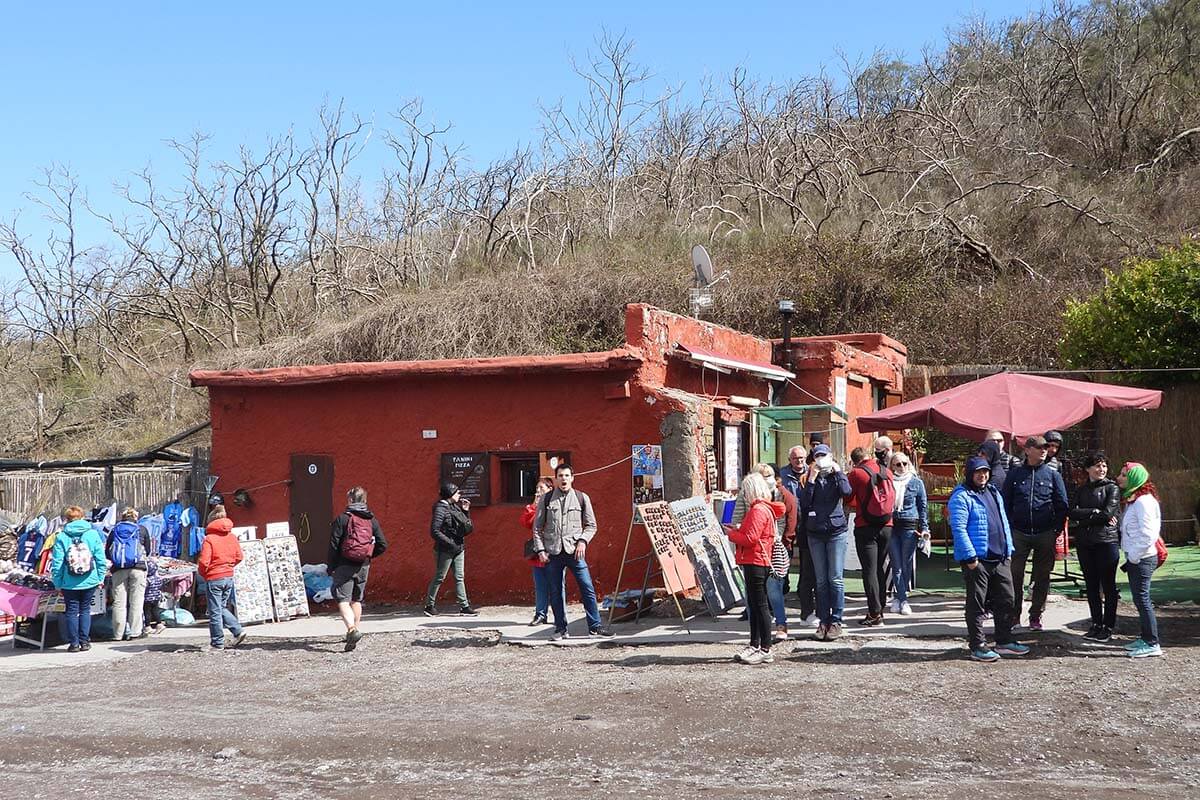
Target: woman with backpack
x=1144 y=551
x=128 y=549
x=449 y=528
x=755 y=539
x=77 y=567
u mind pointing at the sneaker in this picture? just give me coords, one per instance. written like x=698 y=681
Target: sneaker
x=822 y=634
x=1012 y=649
x=744 y=616
x=216 y=647
x=538 y=619
x=740 y=655
x=870 y=621
x=467 y=611
x=558 y=636
x=811 y=621
x=601 y=633
x=73 y=648
x=756 y=657
x=895 y=606
x=1146 y=651
x=1135 y=644
x=85 y=646
x=1091 y=633
x=984 y=654
x=429 y=611
x=1035 y=623
x=353 y=637
x=157 y=629
x=237 y=640
x=767 y=658
x=781 y=635
x=988 y=615
x=906 y=609
x=1104 y=634
x=834 y=632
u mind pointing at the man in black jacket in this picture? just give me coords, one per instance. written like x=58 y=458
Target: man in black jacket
x=350 y=574
x=449 y=526
x=1035 y=500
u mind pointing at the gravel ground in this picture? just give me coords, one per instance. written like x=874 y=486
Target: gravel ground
x=457 y=714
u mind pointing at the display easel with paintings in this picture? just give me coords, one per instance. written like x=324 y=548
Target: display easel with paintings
x=286 y=577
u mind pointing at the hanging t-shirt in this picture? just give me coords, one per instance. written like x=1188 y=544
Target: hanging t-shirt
x=195 y=528
x=29 y=547
x=153 y=523
x=170 y=543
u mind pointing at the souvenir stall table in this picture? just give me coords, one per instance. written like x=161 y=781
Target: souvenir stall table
x=28 y=603
x=178 y=580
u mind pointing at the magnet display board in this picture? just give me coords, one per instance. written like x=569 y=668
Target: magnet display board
x=668 y=545
x=252 y=584
x=720 y=578
x=286 y=577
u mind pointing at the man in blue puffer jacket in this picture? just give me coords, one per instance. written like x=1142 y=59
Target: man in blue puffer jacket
x=983 y=545
x=1035 y=499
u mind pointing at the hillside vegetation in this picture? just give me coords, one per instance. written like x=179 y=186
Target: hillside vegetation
x=956 y=202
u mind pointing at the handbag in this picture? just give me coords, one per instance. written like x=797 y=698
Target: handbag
x=1160 y=550
x=530 y=548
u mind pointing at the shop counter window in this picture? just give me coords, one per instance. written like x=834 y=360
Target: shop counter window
x=518 y=478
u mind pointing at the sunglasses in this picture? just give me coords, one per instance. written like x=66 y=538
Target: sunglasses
x=900 y=464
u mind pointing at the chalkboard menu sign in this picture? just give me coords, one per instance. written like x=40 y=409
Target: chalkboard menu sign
x=469 y=471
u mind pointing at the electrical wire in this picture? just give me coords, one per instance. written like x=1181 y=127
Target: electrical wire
x=608 y=466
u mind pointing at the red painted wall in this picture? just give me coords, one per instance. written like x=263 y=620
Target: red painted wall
x=373 y=432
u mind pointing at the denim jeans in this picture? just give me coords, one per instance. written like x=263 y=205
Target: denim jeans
x=1139 y=586
x=541 y=592
x=829 y=564
x=775 y=593
x=219 y=594
x=902 y=547
x=79 y=614
x=444 y=563
x=556 y=569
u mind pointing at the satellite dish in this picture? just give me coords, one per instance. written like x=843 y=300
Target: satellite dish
x=703 y=266
x=701 y=296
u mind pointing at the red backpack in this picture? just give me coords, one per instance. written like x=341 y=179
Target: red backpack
x=359 y=542
x=879 y=501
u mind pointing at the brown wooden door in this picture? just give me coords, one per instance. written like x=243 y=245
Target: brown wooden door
x=312 y=506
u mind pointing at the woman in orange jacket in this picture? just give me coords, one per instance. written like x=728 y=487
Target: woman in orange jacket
x=754 y=539
x=219 y=555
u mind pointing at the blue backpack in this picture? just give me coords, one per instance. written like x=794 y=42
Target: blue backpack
x=127 y=548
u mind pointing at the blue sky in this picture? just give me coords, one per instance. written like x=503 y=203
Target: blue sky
x=99 y=87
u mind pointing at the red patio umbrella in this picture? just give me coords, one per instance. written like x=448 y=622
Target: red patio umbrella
x=1015 y=404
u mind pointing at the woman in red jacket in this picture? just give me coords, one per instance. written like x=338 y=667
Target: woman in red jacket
x=755 y=538
x=541 y=578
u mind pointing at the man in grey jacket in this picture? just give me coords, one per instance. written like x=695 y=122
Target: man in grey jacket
x=564 y=525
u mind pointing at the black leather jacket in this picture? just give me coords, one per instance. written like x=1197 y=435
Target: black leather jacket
x=1093 y=505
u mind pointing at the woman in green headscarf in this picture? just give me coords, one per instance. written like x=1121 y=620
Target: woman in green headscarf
x=1140 y=534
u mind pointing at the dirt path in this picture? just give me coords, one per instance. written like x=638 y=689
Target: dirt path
x=457 y=715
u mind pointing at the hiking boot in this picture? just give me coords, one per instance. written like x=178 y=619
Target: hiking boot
x=1012 y=649
x=1135 y=644
x=601 y=633
x=538 y=619
x=1035 y=623
x=1103 y=634
x=1092 y=633
x=822 y=634
x=467 y=611
x=756 y=657
x=429 y=611
x=834 y=632
x=237 y=640
x=1146 y=651
x=741 y=655
x=984 y=654
x=767 y=658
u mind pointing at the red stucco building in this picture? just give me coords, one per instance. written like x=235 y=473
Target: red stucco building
x=296 y=438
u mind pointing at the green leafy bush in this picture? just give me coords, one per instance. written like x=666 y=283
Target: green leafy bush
x=1147 y=316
